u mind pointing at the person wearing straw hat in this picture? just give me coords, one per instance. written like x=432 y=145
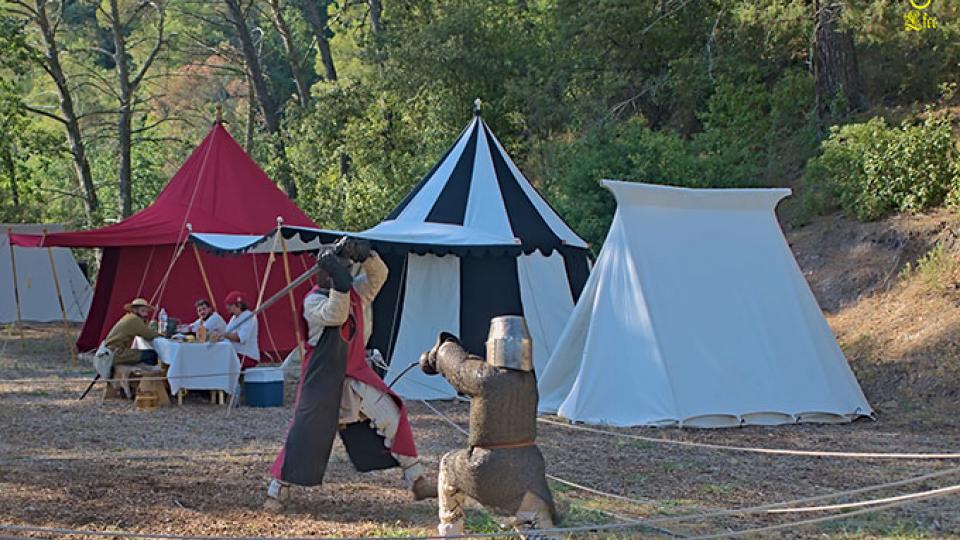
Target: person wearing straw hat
x=129 y=327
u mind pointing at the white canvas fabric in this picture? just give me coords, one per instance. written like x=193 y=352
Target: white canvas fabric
x=431 y=305
x=547 y=301
x=423 y=202
x=697 y=314
x=38 y=293
x=485 y=204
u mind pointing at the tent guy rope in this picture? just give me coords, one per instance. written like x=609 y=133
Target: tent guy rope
x=777 y=451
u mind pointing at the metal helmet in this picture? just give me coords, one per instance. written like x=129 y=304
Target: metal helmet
x=508 y=343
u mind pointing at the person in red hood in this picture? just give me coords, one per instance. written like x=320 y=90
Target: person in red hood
x=338 y=389
x=241 y=330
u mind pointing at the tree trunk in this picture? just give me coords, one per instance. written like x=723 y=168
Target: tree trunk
x=376 y=25
x=10 y=163
x=271 y=117
x=251 y=117
x=293 y=58
x=834 y=62
x=127 y=85
x=318 y=17
x=70 y=119
x=125 y=111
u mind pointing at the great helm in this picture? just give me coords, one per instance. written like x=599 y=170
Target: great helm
x=508 y=343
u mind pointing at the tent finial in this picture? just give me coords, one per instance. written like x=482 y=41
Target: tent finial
x=219 y=119
x=476 y=106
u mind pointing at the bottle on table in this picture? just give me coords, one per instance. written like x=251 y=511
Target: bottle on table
x=202 y=333
x=162 y=321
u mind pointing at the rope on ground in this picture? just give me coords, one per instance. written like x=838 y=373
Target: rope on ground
x=507 y=533
x=801 y=523
x=895 y=502
x=766 y=508
x=872 y=502
x=77 y=380
x=775 y=451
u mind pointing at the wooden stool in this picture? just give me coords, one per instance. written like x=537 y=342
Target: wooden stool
x=151 y=385
x=146 y=400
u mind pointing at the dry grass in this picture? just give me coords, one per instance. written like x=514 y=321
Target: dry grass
x=193 y=470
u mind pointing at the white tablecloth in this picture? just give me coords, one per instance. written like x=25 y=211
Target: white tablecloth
x=197 y=366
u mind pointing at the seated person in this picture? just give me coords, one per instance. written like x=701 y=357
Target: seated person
x=209 y=318
x=130 y=326
x=241 y=331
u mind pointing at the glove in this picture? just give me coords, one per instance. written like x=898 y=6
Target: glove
x=428 y=360
x=428 y=363
x=337 y=269
x=355 y=249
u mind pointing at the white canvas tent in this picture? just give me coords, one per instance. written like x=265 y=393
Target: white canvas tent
x=38 y=293
x=697 y=314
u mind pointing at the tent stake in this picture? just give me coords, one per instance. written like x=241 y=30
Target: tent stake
x=203 y=274
x=16 y=284
x=63 y=310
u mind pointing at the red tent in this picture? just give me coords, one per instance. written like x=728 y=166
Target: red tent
x=219 y=189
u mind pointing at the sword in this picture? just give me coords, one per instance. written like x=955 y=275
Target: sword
x=87 y=391
x=402 y=373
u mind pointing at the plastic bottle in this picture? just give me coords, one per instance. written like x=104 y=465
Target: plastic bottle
x=162 y=320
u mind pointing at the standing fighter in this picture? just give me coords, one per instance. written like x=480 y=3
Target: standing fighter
x=503 y=468
x=339 y=390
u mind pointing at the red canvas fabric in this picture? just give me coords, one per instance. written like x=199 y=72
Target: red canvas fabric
x=219 y=189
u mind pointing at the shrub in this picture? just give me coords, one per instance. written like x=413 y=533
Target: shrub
x=871 y=169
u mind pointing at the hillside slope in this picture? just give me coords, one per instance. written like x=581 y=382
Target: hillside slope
x=891 y=292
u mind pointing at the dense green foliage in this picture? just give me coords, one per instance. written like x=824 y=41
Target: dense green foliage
x=871 y=169
x=686 y=92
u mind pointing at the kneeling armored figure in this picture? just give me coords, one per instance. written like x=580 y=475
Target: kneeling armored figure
x=502 y=469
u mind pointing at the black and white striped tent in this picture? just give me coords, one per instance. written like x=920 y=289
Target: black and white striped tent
x=495 y=247
x=473 y=240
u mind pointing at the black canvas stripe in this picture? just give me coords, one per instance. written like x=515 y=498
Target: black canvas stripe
x=413 y=193
x=388 y=305
x=451 y=206
x=575 y=262
x=525 y=221
x=489 y=287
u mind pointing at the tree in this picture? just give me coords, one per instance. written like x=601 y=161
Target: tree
x=317 y=15
x=46 y=54
x=271 y=114
x=123 y=18
x=293 y=56
x=834 y=63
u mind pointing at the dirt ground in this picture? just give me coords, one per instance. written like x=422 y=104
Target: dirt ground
x=194 y=470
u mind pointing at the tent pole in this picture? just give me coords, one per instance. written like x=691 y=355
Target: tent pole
x=266 y=273
x=293 y=302
x=63 y=310
x=16 y=284
x=396 y=309
x=203 y=274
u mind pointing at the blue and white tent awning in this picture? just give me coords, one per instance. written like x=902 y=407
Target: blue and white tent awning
x=478 y=187
x=419 y=238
